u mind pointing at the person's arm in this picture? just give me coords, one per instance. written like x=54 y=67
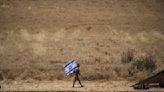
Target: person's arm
x=70 y=75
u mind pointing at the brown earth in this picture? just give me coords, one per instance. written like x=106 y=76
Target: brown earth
x=66 y=86
x=38 y=37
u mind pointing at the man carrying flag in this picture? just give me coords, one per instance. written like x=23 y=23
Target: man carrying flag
x=76 y=76
x=73 y=67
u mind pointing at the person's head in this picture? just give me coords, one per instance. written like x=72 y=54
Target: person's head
x=78 y=65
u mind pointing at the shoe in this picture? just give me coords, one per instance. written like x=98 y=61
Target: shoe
x=82 y=86
x=73 y=86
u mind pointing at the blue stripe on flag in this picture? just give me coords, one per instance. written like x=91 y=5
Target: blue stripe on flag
x=72 y=70
x=70 y=66
x=69 y=63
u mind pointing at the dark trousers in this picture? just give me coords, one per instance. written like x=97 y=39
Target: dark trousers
x=76 y=78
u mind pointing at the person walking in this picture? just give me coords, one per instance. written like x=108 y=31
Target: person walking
x=76 y=76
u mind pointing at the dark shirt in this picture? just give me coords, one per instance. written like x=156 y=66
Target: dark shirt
x=77 y=72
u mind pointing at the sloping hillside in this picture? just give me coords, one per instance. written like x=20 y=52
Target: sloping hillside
x=37 y=37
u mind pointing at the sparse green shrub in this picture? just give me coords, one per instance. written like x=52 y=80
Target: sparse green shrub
x=143 y=63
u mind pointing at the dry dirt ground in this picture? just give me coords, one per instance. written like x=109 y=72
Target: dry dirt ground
x=67 y=86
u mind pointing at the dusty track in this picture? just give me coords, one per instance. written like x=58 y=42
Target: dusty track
x=66 y=86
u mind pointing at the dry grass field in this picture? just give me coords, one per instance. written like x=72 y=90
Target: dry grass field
x=111 y=39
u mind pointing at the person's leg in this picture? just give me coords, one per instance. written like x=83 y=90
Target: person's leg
x=79 y=81
x=74 y=81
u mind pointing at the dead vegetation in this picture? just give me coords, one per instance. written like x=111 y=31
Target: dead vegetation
x=137 y=64
x=38 y=37
x=127 y=56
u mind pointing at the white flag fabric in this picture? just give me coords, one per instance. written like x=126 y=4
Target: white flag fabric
x=70 y=67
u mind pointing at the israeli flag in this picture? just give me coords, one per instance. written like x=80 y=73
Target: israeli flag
x=70 y=67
